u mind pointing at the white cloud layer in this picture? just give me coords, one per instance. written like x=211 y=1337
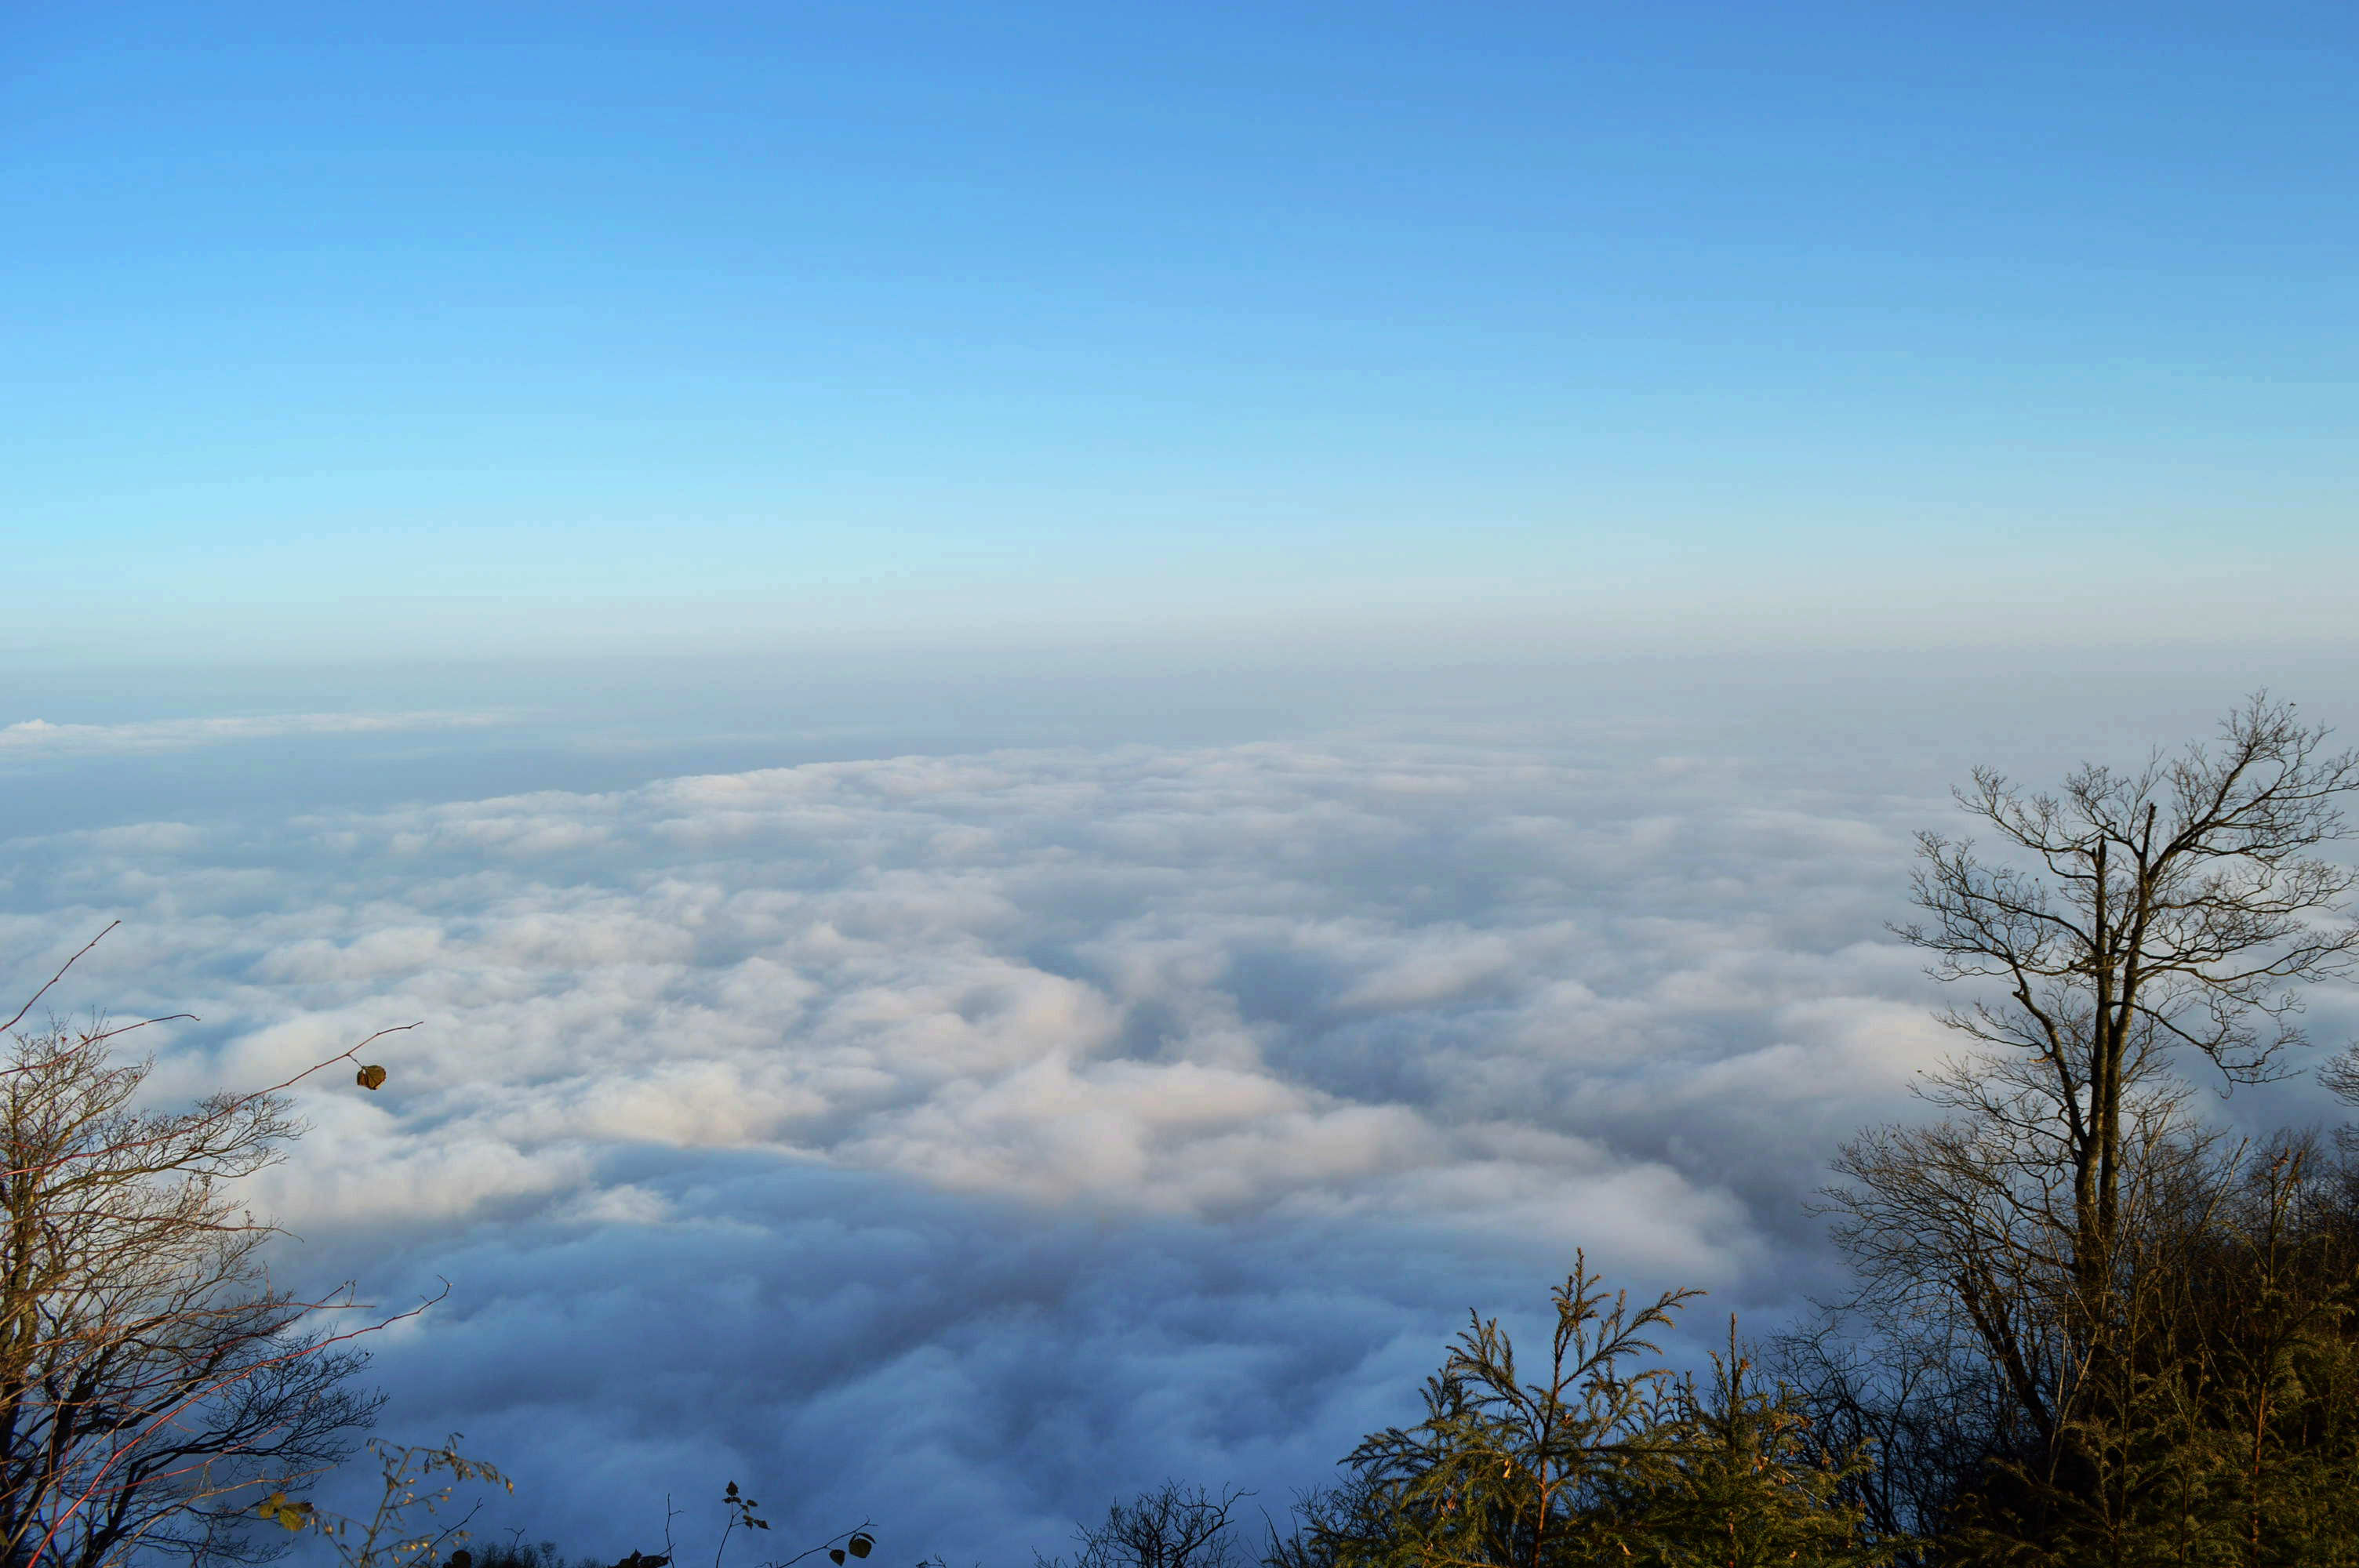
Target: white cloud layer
x=1030 y=1124
x=38 y=736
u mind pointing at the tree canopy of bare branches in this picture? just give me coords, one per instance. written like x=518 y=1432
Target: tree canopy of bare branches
x=1172 y=1525
x=149 y=1374
x=153 y=1379
x=2018 y=1258
x=2172 y=907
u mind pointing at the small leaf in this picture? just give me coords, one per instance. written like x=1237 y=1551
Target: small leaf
x=369 y=1077
x=759 y=1523
x=462 y=1558
x=835 y=1555
x=860 y=1543
x=733 y=1488
x=271 y=1503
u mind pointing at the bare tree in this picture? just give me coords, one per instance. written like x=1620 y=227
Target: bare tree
x=1174 y=1526
x=1329 y=1526
x=152 y=1379
x=2011 y=1256
x=2164 y=908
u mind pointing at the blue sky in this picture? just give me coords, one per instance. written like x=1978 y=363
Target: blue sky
x=548 y=329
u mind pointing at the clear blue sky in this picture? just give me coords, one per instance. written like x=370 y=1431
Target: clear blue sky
x=534 y=328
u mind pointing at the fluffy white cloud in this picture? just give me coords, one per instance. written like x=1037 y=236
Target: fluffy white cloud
x=1035 y=1123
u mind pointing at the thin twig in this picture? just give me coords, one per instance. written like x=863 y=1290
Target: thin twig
x=56 y=977
x=822 y=1546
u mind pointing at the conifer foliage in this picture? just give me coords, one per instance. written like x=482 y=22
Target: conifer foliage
x=1597 y=1454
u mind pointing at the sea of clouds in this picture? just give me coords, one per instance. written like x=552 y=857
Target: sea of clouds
x=957 y=1141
